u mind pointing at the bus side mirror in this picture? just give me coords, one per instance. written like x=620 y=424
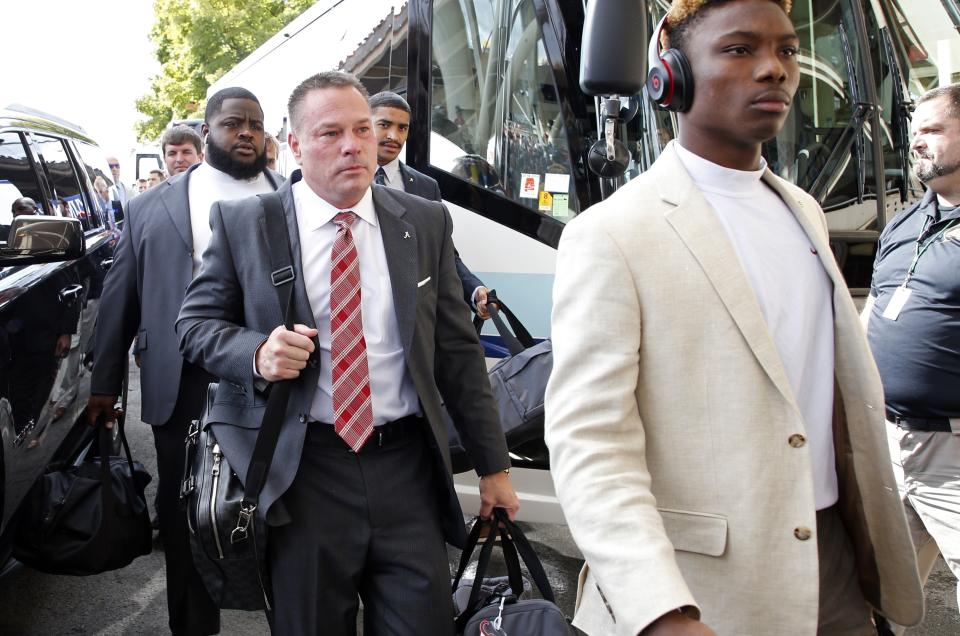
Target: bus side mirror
x=613 y=56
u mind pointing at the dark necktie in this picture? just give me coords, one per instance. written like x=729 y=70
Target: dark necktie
x=381 y=177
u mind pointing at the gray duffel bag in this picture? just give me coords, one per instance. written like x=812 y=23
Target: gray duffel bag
x=505 y=613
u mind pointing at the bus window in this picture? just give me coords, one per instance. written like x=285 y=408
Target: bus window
x=496 y=118
x=924 y=34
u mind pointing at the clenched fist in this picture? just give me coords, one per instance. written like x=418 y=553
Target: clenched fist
x=285 y=353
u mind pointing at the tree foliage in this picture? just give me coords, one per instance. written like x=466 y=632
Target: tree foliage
x=197 y=42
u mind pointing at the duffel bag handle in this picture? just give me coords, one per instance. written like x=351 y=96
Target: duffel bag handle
x=517 y=340
x=512 y=542
x=509 y=554
x=106 y=487
x=519 y=541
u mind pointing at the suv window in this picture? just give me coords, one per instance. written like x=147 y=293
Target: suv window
x=68 y=195
x=17 y=178
x=95 y=166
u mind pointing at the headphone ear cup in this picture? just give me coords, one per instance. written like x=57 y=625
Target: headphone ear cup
x=659 y=83
x=682 y=97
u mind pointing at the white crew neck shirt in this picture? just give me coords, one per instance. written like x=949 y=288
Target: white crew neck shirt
x=793 y=290
x=208 y=185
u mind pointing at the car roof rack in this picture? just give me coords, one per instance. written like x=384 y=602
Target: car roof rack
x=26 y=110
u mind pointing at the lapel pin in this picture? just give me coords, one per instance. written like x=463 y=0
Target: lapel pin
x=406 y=235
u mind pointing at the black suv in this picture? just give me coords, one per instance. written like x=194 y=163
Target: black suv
x=52 y=265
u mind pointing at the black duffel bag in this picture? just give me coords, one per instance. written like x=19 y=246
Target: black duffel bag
x=228 y=534
x=88 y=516
x=496 y=609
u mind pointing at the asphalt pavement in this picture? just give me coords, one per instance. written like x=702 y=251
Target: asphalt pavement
x=132 y=600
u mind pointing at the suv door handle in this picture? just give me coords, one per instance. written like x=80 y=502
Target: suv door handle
x=106 y=263
x=70 y=292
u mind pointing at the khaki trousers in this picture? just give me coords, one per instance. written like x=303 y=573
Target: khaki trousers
x=843 y=609
x=927 y=468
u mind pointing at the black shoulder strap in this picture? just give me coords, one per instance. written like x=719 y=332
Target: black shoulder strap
x=274 y=227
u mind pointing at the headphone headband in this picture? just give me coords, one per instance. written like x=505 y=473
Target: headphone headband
x=670 y=80
x=653 y=53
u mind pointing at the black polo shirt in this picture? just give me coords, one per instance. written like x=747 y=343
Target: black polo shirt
x=918 y=354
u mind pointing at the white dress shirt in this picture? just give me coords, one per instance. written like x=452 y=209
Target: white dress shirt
x=394 y=178
x=391 y=389
x=793 y=290
x=208 y=185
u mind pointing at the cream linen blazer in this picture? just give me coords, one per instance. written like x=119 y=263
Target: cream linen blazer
x=669 y=421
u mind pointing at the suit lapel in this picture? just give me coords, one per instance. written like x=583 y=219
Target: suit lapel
x=176 y=199
x=812 y=226
x=697 y=224
x=400 y=245
x=410 y=184
x=846 y=325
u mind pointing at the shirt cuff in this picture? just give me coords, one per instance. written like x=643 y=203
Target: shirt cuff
x=473 y=297
x=259 y=382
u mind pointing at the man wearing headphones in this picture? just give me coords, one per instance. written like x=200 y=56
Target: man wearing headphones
x=721 y=458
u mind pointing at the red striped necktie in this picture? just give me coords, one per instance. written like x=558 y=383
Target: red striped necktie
x=352 y=409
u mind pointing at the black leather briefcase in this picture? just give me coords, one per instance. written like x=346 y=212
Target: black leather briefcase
x=228 y=545
x=228 y=535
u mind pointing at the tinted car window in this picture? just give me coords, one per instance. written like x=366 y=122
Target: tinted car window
x=95 y=166
x=68 y=194
x=17 y=178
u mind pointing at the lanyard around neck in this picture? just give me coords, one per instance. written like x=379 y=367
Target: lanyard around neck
x=924 y=244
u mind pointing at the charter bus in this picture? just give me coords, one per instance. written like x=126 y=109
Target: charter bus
x=500 y=121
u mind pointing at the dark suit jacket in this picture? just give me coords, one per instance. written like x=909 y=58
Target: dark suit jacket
x=142 y=293
x=231 y=307
x=415 y=182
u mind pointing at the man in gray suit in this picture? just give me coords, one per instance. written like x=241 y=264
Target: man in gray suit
x=360 y=495
x=391 y=122
x=166 y=231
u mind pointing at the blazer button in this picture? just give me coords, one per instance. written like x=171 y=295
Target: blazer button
x=303 y=418
x=797 y=440
x=312 y=362
x=802 y=533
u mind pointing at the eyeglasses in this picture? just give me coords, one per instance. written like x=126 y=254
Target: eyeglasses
x=113 y=165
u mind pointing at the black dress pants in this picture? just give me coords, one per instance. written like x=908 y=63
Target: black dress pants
x=364 y=526
x=191 y=611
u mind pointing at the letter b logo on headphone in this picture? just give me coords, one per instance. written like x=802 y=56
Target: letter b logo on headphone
x=670 y=80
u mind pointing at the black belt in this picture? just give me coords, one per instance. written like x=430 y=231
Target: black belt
x=928 y=424
x=383 y=435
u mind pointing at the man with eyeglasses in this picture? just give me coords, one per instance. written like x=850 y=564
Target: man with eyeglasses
x=120 y=191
